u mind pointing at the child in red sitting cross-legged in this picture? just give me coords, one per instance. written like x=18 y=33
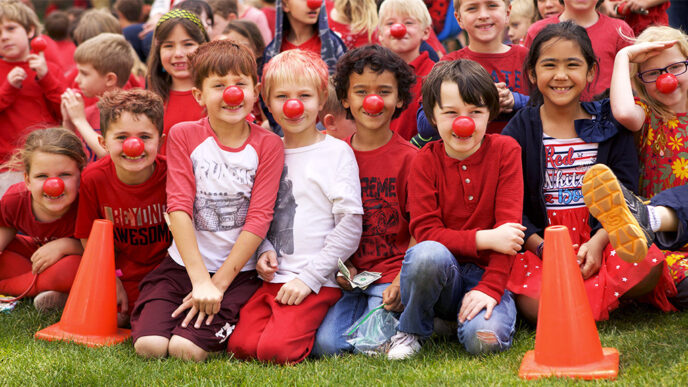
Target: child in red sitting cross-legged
x=318 y=220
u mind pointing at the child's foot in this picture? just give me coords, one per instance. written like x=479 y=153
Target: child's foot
x=50 y=300
x=403 y=346
x=621 y=213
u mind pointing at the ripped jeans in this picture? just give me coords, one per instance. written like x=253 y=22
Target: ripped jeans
x=433 y=284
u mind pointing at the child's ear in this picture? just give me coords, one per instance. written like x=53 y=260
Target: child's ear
x=426 y=33
x=232 y=16
x=532 y=77
x=26 y=179
x=329 y=122
x=457 y=16
x=198 y=95
x=101 y=142
x=285 y=6
x=162 y=140
x=110 y=80
x=31 y=33
x=257 y=89
x=591 y=73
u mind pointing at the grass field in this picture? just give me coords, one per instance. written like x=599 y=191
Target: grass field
x=653 y=346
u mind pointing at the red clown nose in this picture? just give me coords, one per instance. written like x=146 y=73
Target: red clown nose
x=666 y=83
x=463 y=126
x=38 y=45
x=53 y=187
x=233 y=96
x=373 y=104
x=292 y=108
x=133 y=147
x=397 y=30
x=314 y=4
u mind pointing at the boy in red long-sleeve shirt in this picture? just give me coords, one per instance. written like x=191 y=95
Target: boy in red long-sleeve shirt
x=465 y=204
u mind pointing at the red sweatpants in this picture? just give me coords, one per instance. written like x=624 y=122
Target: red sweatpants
x=272 y=332
x=16 y=275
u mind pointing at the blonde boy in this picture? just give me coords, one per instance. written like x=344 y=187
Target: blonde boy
x=104 y=63
x=318 y=219
x=333 y=117
x=414 y=16
x=521 y=17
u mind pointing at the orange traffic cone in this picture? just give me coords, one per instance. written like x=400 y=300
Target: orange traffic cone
x=566 y=342
x=90 y=315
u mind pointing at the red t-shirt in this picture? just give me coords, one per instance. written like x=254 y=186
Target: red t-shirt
x=313 y=45
x=270 y=14
x=405 y=124
x=141 y=233
x=181 y=106
x=450 y=200
x=383 y=173
x=504 y=67
x=351 y=40
x=16 y=212
x=65 y=57
x=608 y=36
x=657 y=16
x=36 y=105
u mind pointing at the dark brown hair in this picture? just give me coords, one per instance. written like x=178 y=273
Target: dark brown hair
x=135 y=101
x=131 y=10
x=220 y=57
x=250 y=31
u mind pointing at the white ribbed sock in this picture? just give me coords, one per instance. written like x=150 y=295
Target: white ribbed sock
x=655 y=221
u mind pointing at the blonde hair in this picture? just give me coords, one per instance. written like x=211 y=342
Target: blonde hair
x=414 y=8
x=107 y=53
x=57 y=141
x=16 y=11
x=295 y=66
x=94 y=22
x=657 y=34
x=362 y=14
x=524 y=9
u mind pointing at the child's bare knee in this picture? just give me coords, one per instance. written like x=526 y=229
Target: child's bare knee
x=185 y=349
x=151 y=346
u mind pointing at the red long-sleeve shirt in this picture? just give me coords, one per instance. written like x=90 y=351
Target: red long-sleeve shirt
x=450 y=200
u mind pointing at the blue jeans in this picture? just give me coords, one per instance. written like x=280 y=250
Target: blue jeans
x=433 y=284
x=331 y=336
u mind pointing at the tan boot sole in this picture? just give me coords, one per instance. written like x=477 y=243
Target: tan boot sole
x=604 y=198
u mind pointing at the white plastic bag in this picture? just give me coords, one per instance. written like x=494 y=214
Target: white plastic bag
x=371 y=333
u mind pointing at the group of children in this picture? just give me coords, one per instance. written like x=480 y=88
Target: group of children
x=229 y=237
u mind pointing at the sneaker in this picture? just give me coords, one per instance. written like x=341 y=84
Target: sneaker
x=403 y=346
x=621 y=213
x=50 y=300
x=445 y=327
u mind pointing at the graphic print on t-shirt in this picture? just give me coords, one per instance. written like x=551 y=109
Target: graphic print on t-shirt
x=380 y=217
x=566 y=161
x=281 y=233
x=139 y=226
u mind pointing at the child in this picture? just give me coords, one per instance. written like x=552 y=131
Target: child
x=128 y=189
x=317 y=220
x=384 y=160
x=465 y=204
x=129 y=13
x=333 y=117
x=521 y=17
x=661 y=118
x=248 y=12
x=37 y=229
x=104 y=63
x=354 y=21
x=223 y=181
x=57 y=28
x=608 y=36
x=561 y=138
x=245 y=32
x=31 y=87
x=177 y=34
x=414 y=15
x=548 y=8
x=664 y=221
x=224 y=11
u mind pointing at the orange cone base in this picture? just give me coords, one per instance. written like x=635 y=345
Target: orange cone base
x=56 y=333
x=607 y=368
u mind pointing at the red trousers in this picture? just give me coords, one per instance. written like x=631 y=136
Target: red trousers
x=16 y=275
x=277 y=333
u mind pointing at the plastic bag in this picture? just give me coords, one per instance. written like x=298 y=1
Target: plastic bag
x=371 y=333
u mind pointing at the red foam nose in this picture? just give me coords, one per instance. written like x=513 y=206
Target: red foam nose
x=666 y=83
x=133 y=147
x=314 y=4
x=622 y=9
x=292 y=108
x=38 y=44
x=53 y=186
x=233 y=96
x=373 y=104
x=463 y=126
x=397 y=30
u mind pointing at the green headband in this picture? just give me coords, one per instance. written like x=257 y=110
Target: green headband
x=180 y=14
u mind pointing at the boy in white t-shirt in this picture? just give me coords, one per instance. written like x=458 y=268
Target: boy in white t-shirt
x=318 y=219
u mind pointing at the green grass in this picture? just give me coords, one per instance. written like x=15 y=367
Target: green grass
x=653 y=346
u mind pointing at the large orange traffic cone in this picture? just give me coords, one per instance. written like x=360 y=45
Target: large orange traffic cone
x=90 y=315
x=566 y=343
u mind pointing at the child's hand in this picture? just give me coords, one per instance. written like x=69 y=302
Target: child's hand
x=38 y=64
x=590 y=254
x=16 y=76
x=122 y=299
x=506 y=98
x=473 y=302
x=73 y=104
x=342 y=281
x=391 y=297
x=66 y=121
x=267 y=265
x=44 y=257
x=205 y=299
x=293 y=292
x=640 y=52
x=505 y=239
